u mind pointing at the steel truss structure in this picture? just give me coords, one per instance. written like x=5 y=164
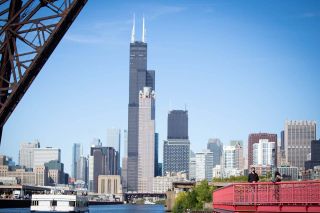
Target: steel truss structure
x=30 y=30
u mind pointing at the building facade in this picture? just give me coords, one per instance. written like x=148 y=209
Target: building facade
x=298 y=137
x=164 y=183
x=102 y=161
x=254 y=138
x=114 y=140
x=176 y=149
x=82 y=169
x=204 y=165
x=26 y=154
x=216 y=147
x=146 y=145
x=139 y=77
x=109 y=184
x=229 y=157
x=264 y=153
x=178 y=124
x=76 y=153
x=44 y=155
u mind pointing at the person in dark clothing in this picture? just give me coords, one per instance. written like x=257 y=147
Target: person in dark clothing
x=253 y=176
x=277 y=176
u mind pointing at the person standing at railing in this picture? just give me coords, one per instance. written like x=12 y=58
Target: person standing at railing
x=253 y=177
x=277 y=178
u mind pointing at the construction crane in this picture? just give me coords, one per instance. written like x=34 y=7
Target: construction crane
x=29 y=32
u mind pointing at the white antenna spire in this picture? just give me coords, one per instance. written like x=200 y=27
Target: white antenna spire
x=143 y=30
x=133 y=29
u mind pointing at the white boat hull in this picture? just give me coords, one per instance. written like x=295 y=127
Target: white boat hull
x=59 y=203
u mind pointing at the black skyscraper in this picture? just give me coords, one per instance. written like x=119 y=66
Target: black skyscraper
x=139 y=77
x=178 y=124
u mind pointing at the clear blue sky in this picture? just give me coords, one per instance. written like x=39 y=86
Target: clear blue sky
x=238 y=66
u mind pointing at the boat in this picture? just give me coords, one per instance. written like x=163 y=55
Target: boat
x=59 y=203
x=147 y=202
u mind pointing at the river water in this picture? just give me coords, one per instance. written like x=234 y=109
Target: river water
x=107 y=208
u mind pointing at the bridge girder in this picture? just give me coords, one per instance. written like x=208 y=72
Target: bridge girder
x=29 y=33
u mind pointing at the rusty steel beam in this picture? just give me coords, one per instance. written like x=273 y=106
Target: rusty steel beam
x=27 y=39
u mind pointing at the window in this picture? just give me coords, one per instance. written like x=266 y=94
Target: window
x=72 y=203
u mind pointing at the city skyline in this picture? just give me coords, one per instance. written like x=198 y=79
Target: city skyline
x=250 y=71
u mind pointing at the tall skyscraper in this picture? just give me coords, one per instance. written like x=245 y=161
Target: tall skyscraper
x=146 y=145
x=216 y=147
x=26 y=154
x=204 y=165
x=76 y=153
x=44 y=155
x=139 y=78
x=114 y=140
x=254 y=138
x=176 y=149
x=298 y=137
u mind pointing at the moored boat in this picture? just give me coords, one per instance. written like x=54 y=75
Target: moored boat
x=59 y=203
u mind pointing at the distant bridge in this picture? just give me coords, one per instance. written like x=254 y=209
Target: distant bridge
x=129 y=196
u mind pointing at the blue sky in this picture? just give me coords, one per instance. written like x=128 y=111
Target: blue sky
x=238 y=66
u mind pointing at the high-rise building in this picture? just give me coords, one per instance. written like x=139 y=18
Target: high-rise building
x=114 y=140
x=44 y=155
x=239 y=159
x=139 y=78
x=315 y=155
x=146 y=145
x=176 y=149
x=178 y=124
x=264 y=153
x=76 y=153
x=298 y=137
x=102 y=161
x=176 y=155
x=216 y=147
x=192 y=168
x=229 y=157
x=26 y=154
x=254 y=138
x=82 y=169
x=124 y=170
x=282 y=140
x=204 y=165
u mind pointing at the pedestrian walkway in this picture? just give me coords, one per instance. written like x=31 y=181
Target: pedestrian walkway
x=296 y=196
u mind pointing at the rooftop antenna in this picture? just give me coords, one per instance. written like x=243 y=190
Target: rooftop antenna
x=143 y=30
x=133 y=29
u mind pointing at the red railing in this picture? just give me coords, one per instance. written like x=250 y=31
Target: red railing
x=302 y=193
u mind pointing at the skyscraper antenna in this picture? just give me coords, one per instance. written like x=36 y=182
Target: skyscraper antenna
x=143 y=30
x=133 y=29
